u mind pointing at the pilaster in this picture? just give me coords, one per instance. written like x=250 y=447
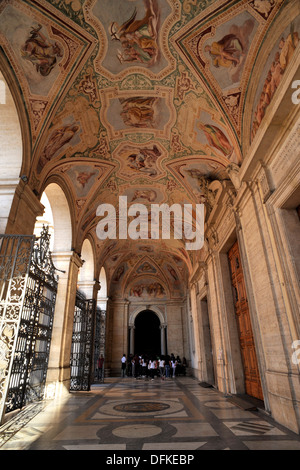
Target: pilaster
x=58 y=377
x=25 y=208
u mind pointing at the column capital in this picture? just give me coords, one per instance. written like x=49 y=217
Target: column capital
x=25 y=192
x=87 y=287
x=25 y=208
x=62 y=260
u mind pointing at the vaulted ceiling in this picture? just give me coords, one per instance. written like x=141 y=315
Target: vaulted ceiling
x=142 y=98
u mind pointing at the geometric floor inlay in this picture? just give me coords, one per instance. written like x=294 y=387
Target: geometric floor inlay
x=141 y=407
x=158 y=416
x=118 y=408
x=137 y=431
x=257 y=428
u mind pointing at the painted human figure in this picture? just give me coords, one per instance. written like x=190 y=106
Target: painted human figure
x=138 y=38
x=119 y=273
x=138 y=111
x=40 y=52
x=226 y=52
x=216 y=138
x=58 y=139
x=281 y=60
x=145 y=160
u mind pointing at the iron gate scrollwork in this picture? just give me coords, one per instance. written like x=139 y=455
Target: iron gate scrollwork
x=82 y=343
x=15 y=255
x=33 y=317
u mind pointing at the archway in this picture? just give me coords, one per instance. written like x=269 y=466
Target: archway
x=102 y=294
x=58 y=214
x=45 y=220
x=147 y=338
x=10 y=151
x=61 y=218
x=86 y=278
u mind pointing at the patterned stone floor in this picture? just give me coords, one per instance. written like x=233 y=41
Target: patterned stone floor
x=135 y=415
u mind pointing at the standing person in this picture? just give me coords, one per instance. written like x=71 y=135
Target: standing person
x=136 y=365
x=140 y=366
x=161 y=365
x=123 y=365
x=133 y=366
x=178 y=365
x=129 y=366
x=144 y=367
x=100 y=364
x=167 y=367
x=173 y=364
x=151 y=367
x=156 y=367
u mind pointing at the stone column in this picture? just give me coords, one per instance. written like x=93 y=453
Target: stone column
x=131 y=328
x=7 y=192
x=118 y=333
x=175 y=328
x=195 y=350
x=163 y=339
x=58 y=376
x=125 y=328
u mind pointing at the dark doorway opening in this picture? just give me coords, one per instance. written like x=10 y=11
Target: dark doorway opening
x=147 y=334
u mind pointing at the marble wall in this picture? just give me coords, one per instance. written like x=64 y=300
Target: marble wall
x=262 y=215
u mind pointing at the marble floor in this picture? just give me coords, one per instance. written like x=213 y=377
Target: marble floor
x=142 y=415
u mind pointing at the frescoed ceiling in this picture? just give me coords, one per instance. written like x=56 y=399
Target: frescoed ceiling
x=143 y=98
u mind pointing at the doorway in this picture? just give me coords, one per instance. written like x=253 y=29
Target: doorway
x=147 y=339
x=249 y=359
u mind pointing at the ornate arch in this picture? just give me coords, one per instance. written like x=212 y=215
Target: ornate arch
x=69 y=209
x=141 y=308
x=62 y=215
x=18 y=98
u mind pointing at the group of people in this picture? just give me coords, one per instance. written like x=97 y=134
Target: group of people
x=149 y=367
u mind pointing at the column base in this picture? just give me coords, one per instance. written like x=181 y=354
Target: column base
x=57 y=390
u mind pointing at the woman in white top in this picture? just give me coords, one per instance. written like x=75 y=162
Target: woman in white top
x=151 y=367
x=173 y=365
x=123 y=362
x=144 y=367
x=161 y=365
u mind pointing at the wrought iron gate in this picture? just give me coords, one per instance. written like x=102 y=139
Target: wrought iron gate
x=82 y=343
x=15 y=255
x=33 y=285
